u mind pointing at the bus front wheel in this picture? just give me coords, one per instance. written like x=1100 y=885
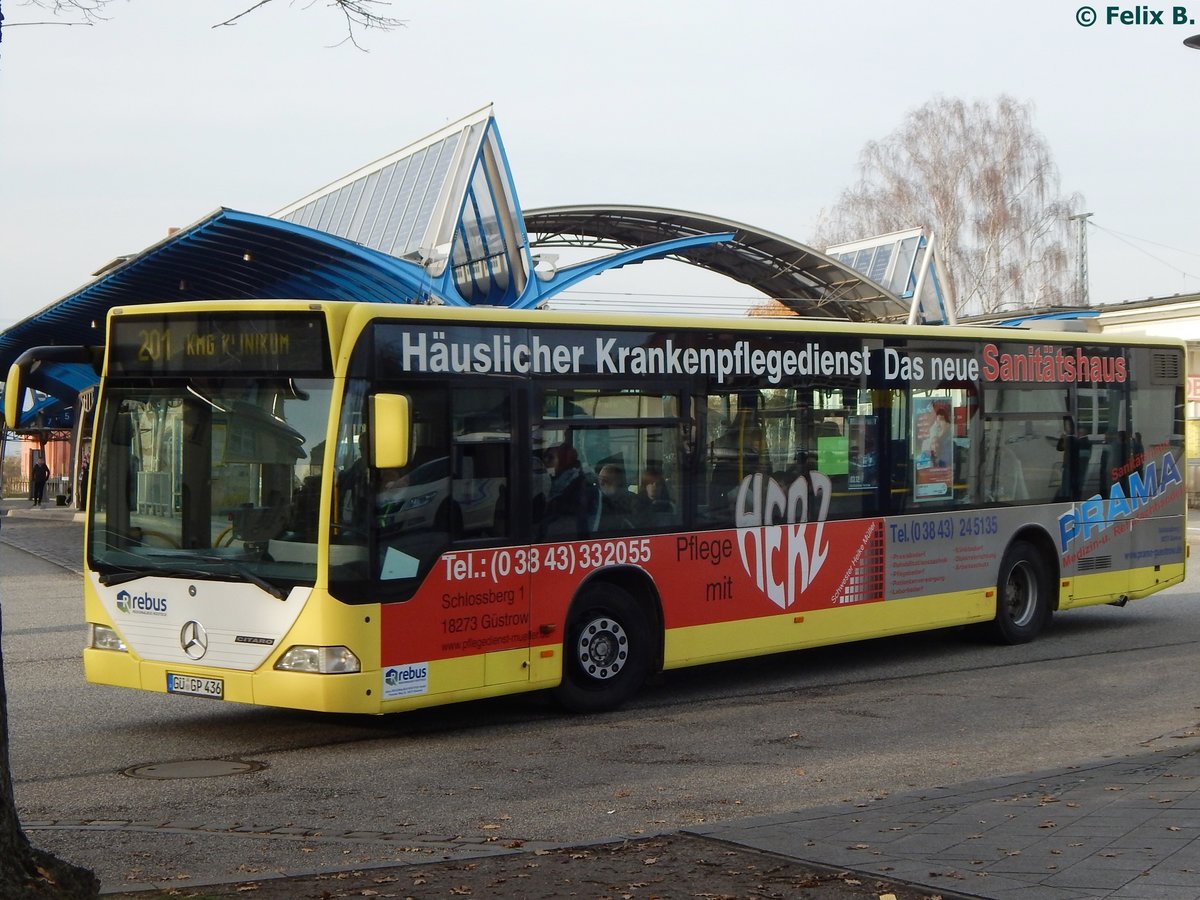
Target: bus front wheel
x=1023 y=595
x=607 y=650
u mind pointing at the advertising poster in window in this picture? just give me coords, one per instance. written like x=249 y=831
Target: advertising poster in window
x=864 y=471
x=832 y=450
x=933 y=446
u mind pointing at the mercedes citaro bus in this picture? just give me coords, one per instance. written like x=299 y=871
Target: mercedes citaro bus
x=371 y=507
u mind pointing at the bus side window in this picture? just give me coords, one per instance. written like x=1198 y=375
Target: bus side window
x=1003 y=472
x=734 y=452
x=1023 y=459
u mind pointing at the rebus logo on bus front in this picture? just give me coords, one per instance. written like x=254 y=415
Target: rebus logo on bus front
x=142 y=604
x=762 y=505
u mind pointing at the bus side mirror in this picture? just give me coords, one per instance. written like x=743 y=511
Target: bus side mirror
x=39 y=368
x=390 y=431
x=13 y=391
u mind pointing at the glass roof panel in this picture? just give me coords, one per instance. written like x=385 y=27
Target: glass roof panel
x=447 y=196
x=400 y=216
x=393 y=193
x=413 y=226
x=373 y=190
x=393 y=204
x=878 y=270
x=346 y=219
x=888 y=260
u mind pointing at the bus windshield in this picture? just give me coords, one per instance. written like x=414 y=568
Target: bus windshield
x=209 y=477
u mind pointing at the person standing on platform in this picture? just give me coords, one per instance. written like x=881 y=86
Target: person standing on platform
x=40 y=474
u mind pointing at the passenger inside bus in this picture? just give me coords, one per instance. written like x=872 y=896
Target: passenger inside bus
x=616 y=503
x=568 y=503
x=652 y=506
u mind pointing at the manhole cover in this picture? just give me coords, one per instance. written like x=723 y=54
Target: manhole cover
x=195 y=768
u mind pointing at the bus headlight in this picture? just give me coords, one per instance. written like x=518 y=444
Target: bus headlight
x=320 y=660
x=101 y=637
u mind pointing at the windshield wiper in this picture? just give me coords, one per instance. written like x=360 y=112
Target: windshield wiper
x=245 y=572
x=256 y=579
x=109 y=579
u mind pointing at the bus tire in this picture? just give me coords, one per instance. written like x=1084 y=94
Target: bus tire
x=1022 y=595
x=607 y=652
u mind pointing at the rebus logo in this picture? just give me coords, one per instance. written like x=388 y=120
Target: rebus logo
x=781 y=549
x=400 y=675
x=406 y=681
x=141 y=604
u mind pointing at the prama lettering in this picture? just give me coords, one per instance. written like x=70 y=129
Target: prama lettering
x=1096 y=515
x=780 y=549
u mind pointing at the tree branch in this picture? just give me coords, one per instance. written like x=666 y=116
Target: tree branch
x=357 y=13
x=244 y=12
x=88 y=9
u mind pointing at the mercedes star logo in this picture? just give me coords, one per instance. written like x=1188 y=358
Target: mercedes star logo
x=193 y=639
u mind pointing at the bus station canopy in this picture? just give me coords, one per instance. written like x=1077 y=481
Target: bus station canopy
x=437 y=222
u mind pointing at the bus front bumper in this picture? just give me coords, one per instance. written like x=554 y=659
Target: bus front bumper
x=356 y=692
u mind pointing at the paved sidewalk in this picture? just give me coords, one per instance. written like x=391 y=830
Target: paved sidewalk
x=55 y=533
x=1129 y=828
x=1118 y=829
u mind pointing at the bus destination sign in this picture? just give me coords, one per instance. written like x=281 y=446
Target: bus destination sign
x=193 y=343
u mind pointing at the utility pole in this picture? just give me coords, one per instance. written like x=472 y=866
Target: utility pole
x=1081 y=272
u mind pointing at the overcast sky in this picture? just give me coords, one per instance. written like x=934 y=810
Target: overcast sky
x=754 y=111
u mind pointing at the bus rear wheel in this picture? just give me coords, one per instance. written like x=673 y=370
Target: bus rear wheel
x=1023 y=595
x=607 y=650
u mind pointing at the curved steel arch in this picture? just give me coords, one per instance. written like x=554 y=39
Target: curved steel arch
x=232 y=255
x=804 y=280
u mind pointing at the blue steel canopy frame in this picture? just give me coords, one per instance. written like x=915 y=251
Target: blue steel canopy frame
x=435 y=222
x=232 y=255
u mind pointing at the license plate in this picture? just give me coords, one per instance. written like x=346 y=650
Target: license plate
x=197 y=687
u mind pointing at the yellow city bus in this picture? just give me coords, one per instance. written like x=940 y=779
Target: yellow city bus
x=370 y=508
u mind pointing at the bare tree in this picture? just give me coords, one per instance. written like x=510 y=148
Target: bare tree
x=983 y=180
x=359 y=15
x=25 y=871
